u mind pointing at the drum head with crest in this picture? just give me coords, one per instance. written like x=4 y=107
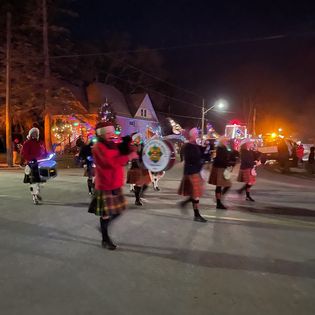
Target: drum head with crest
x=158 y=155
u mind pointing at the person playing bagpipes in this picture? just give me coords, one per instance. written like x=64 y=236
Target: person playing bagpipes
x=250 y=159
x=110 y=159
x=138 y=175
x=221 y=172
x=192 y=184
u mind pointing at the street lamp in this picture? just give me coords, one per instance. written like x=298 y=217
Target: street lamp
x=219 y=104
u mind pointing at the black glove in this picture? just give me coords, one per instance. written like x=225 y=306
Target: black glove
x=124 y=146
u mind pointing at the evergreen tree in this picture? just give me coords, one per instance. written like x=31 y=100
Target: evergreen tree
x=27 y=70
x=106 y=114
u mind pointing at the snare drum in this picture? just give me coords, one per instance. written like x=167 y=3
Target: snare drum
x=47 y=169
x=158 y=155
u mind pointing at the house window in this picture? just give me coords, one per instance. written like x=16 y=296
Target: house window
x=143 y=113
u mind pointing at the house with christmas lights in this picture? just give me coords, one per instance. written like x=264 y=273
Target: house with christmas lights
x=133 y=113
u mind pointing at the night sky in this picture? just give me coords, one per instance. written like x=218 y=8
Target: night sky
x=279 y=73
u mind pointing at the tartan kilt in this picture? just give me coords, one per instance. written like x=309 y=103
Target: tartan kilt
x=245 y=176
x=192 y=186
x=216 y=177
x=108 y=202
x=138 y=176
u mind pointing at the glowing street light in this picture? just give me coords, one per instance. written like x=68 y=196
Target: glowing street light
x=219 y=104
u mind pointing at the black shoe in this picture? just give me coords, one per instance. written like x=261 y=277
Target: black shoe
x=221 y=206
x=138 y=203
x=249 y=198
x=157 y=188
x=109 y=245
x=200 y=219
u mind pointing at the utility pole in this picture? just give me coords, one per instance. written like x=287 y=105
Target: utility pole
x=47 y=116
x=250 y=115
x=254 y=122
x=202 y=118
x=8 y=119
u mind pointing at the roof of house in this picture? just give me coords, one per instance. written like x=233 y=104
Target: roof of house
x=98 y=93
x=135 y=101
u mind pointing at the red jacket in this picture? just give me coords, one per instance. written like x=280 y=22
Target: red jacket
x=33 y=150
x=300 y=151
x=109 y=171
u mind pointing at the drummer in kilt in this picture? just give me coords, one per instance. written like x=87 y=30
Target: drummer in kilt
x=109 y=200
x=138 y=175
x=192 y=182
x=33 y=149
x=247 y=173
x=221 y=171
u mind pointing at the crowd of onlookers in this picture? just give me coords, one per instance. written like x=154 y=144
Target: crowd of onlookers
x=298 y=156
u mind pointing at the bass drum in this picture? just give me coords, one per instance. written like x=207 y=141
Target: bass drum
x=158 y=155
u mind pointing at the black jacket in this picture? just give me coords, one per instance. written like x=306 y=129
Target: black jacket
x=222 y=158
x=86 y=151
x=192 y=159
x=248 y=159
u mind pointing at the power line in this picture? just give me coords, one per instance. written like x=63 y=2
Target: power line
x=219 y=43
x=176 y=115
x=157 y=78
x=169 y=114
x=153 y=91
x=207 y=44
x=172 y=98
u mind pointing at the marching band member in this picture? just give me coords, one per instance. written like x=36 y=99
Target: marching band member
x=192 y=183
x=87 y=158
x=109 y=161
x=220 y=173
x=138 y=175
x=247 y=173
x=33 y=150
x=155 y=178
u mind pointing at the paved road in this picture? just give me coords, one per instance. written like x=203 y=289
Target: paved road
x=252 y=259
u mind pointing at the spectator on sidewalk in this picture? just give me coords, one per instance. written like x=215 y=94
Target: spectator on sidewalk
x=300 y=153
x=311 y=161
x=16 y=152
x=284 y=155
